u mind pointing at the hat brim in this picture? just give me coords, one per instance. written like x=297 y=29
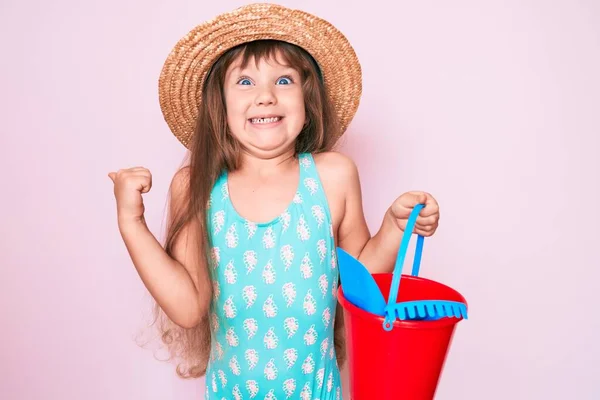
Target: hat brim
x=187 y=65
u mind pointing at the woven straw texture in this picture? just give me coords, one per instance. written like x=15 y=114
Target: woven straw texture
x=185 y=69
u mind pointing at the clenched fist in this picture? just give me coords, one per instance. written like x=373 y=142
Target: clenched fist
x=129 y=184
x=428 y=219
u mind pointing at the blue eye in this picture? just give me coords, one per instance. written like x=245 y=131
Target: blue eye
x=244 y=81
x=284 y=81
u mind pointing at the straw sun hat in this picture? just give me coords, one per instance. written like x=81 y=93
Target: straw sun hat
x=185 y=69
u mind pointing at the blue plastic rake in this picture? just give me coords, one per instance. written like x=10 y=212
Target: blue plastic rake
x=418 y=309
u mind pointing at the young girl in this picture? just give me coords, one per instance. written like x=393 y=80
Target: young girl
x=247 y=281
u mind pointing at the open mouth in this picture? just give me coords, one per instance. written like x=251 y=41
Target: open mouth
x=266 y=120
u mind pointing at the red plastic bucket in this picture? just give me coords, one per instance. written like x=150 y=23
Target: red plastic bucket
x=406 y=362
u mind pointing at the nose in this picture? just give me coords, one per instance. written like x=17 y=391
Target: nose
x=265 y=97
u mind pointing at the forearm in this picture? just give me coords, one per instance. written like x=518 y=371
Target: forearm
x=380 y=252
x=166 y=279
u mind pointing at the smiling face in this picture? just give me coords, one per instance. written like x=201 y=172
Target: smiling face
x=265 y=105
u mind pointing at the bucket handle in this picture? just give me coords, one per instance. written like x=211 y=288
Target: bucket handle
x=426 y=309
x=408 y=231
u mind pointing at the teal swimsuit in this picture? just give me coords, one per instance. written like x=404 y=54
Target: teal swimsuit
x=274 y=298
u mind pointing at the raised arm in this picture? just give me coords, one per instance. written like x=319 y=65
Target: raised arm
x=179 y=284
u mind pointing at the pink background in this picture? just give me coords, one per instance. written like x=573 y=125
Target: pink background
x=491 y=106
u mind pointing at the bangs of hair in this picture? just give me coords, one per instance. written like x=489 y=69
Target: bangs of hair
x=279 y=52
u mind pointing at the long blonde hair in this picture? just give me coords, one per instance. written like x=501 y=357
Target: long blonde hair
x=214 y=149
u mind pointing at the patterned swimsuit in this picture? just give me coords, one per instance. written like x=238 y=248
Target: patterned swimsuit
x=274 y=302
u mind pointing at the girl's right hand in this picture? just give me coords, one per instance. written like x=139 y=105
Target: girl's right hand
x=129 y=184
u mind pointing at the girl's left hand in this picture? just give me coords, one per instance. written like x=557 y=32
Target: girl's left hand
x=427 y=221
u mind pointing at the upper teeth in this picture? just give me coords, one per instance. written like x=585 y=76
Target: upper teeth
x=265 y=120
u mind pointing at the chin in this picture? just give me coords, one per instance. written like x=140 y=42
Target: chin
x=269 y=152
x=264 y=150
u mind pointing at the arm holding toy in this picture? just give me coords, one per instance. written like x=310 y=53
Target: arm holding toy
x=378 y=253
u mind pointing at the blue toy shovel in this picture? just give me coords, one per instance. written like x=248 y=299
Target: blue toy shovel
x=359 y=286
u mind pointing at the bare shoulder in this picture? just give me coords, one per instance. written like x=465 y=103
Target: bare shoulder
x=181 y=179
x=339 y=176
x=180 y=182
x=179 y=189
x=342 y=185
x=336 y=167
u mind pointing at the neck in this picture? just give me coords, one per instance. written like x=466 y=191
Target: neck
x=252 y=163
